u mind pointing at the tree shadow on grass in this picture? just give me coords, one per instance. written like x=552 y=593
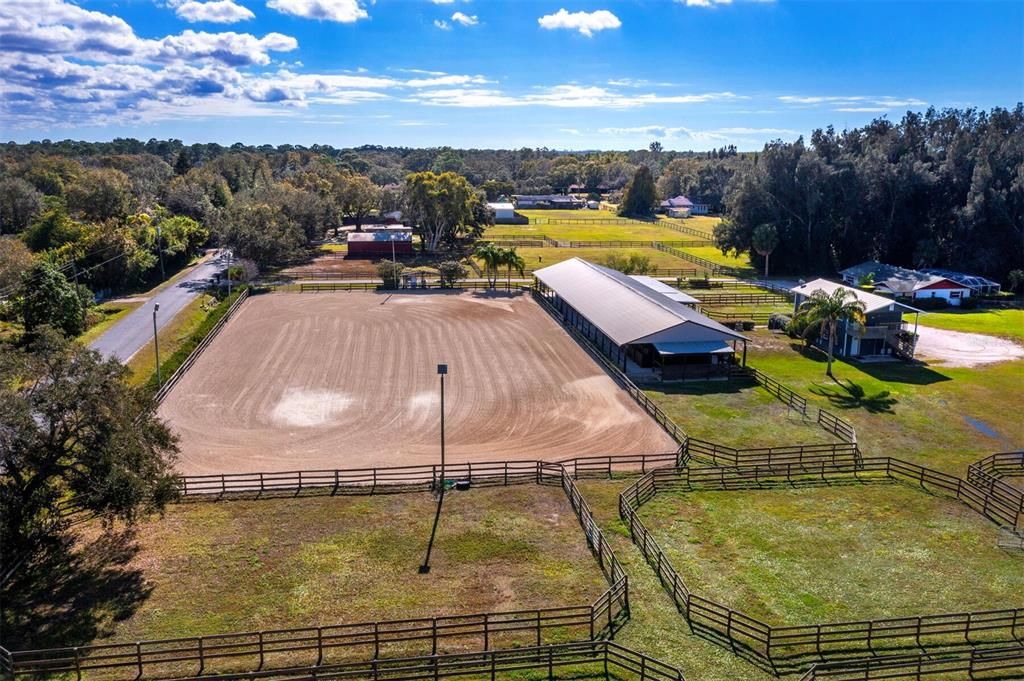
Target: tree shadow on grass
x=73 y=594
x=850 y=395
x=912 y=372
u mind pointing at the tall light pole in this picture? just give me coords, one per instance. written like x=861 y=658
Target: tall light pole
x=442 y=369
x=156 y=345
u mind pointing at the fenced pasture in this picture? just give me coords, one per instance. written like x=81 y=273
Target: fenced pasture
x=789 y=647
x=349 y=381
x=493 y=538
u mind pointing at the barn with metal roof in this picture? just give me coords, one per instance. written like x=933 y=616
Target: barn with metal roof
x=636 y=325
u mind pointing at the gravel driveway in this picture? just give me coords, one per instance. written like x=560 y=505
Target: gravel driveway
x=959 y=349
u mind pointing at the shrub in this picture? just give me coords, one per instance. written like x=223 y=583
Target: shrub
x=969 y=303
x=930 y=303
x=778 y=322
x=451 y=271
x=390 y=272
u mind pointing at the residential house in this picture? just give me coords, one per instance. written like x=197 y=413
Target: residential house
x=682 y=207
x=883 y=332
x=904 y=283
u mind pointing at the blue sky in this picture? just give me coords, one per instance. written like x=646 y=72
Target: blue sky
x=693 y=74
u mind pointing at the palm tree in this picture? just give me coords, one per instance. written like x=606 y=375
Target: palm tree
x=492 y=257
x=830 y=309
x=512 y=260
x=764 y=240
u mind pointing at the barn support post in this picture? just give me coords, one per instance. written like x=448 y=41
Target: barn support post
x=744 y=354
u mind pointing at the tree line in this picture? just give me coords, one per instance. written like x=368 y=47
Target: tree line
x=939 y=189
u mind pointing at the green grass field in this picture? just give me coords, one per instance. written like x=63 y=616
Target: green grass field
x=171 y=337
x=655 y=625
x=234 y=566
x=1005 y=323
x=703 y=223
x=716 y=256
x=537 y=258
x=734 y=413
x=592 y=232
x=809 y=555
x=941 y=417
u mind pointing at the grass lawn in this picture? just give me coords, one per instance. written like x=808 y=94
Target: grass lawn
x=715 y=255
x=542 y=257
x=742 y=311
x=734 y=413
x=633 y=231
x=702 y=223
x=940 y=417
x=172 y=335
x=825 y=554
x=212 y=567
x=106 y=315
x=655 y=626
x=1005 y=323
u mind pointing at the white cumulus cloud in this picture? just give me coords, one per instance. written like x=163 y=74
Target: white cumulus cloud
x=586 y=23
x=442 y=24
x=342 y=11
x=465 y=19
x=215 y=12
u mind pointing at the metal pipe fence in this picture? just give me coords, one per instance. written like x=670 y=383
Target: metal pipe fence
x=973 y=663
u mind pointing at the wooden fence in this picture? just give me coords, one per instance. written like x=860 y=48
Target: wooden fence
x=727 y=318
x=712 y=267
x=973 y=663
x=720 y=455
x=332 y=286
x=740 y=299
x=581 y=659
x=314 y=646
x=630 y=244
x=589 y=221
x=194 y=355
x=790 y=647
x=683 y=229
x=988 y=474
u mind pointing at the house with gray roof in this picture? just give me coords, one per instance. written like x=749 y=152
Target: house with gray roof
x=883 y=332
x=903 y=283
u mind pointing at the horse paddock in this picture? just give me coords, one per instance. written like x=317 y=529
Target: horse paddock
x=349 y=380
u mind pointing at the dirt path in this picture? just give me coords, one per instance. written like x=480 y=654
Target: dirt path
x=959 y=349
x=348 y=380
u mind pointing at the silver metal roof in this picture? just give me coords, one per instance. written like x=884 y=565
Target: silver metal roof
x=872 y=301
x=664 y=289
x=626 y=310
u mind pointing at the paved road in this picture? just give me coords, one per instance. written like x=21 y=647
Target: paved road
x=132 y=333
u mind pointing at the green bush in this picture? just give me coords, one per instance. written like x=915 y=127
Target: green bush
x=969 y=303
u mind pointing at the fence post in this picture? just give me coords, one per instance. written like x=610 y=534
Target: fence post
x=261 y=651
x=434 y=636
x=320 y=646
x=138 y=657
x=486 y=633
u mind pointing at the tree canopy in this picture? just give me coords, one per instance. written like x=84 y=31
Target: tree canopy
x=74 y=431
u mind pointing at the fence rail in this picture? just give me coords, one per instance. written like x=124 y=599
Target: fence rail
x=630 y=244
x=599 y=657
x=331 y=286
x=974 y=663
x=720 y=455
x=790 y=646
x=313 y=646
x=194 y=355
x=740 y=298
x=712 y=267
x=683 y=229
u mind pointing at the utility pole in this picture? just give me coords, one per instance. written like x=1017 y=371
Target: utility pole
x=156 y=346
x=442 y=369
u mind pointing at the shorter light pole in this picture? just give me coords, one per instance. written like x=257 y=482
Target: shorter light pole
x=156 y=345
x=442 y=369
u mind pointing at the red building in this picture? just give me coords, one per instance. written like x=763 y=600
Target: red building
x=380 y=243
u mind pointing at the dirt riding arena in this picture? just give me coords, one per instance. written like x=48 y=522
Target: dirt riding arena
x=349 y=380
